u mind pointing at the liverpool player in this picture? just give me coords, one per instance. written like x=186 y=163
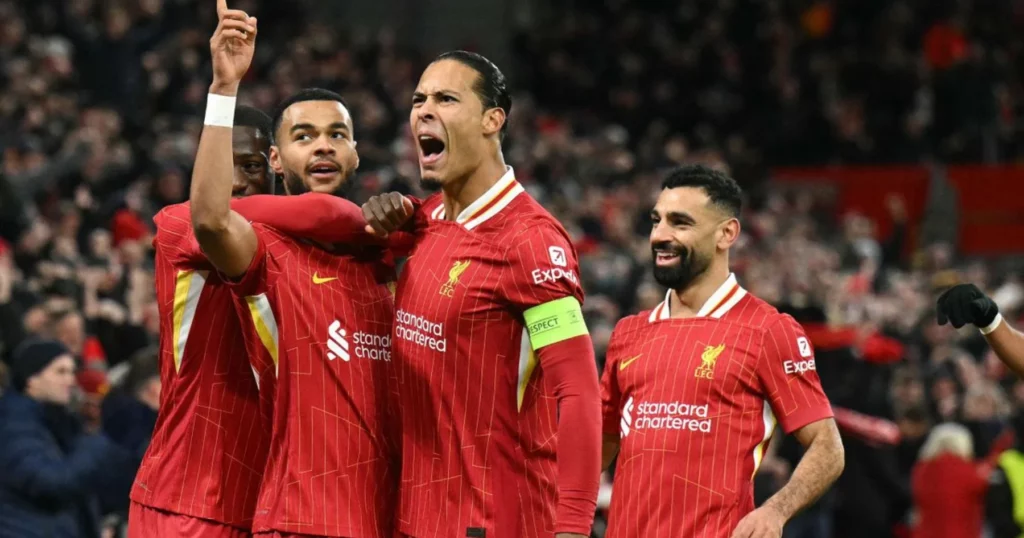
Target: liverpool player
x=499 y=390
x=202 y=470
x=692 y=390
x=965 y=303
x=322 y=314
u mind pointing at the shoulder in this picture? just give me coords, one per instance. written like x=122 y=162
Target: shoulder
x=631 y=324
x=626 y=333
x=275 y=238
x=528 y=224
x=756 y=313
x=173 y=211
x=173 y=218
x=17 y=411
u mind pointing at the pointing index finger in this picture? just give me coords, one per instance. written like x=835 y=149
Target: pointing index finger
x=222 y=6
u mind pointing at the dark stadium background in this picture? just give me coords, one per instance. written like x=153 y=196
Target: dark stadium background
x=878 y=142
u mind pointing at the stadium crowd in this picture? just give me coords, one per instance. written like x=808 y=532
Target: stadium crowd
x=103 y=104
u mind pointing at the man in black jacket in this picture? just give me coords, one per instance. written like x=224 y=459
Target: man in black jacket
x=49 y=465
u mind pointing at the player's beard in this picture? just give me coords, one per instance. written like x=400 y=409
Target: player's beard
x=430 y=184
x=679 y=276
x=295 y=186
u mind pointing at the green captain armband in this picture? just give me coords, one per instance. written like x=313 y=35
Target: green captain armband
x=554 y=321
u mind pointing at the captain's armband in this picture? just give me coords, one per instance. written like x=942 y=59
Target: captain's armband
x=554 y=321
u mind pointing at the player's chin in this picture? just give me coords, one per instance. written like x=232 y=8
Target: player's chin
x=431 y=179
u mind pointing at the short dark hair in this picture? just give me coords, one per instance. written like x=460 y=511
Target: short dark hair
x=143 y=366
x=491 y=87
x=723 y=190
x=247 y=116
x=307 y=94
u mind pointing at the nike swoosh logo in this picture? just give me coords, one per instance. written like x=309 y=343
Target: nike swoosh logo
x=318 y=280
x=627 y=362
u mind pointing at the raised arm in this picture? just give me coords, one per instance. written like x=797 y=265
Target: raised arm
x=965 y=303
x=1008 y=343
x=226 y=237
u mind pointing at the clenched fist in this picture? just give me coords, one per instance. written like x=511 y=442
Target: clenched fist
x=386 y=213
x=963 y=304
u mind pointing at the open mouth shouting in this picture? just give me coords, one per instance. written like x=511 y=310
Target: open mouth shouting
x=432 y=149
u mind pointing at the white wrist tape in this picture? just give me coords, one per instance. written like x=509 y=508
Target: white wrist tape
x=992 y=326
x=220 y=110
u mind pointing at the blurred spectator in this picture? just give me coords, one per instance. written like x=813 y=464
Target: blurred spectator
x=128 y=416
x=1006 y=489
x=50 y=465
x=948 y=486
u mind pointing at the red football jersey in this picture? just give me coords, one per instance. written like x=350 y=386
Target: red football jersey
x=325 y=320
x=695 y=402
x=209 y=446
x=478 y=425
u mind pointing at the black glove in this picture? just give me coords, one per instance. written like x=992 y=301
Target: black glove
x=963 y=304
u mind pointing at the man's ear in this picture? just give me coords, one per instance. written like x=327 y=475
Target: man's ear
x=275 y=161
x=493 y=120
x=728 y=234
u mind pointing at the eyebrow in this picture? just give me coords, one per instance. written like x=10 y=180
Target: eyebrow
x=420 y=95
x=339 y=125
x=677 y=215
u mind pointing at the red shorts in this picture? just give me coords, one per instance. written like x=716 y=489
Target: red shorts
x=146 y=522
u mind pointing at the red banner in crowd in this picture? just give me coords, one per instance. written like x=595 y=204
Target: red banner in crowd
x=990 y=199
x=864 y=190
x=991 y=202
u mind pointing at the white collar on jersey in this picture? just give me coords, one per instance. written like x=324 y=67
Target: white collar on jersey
x=490 y=204
x=720 y=302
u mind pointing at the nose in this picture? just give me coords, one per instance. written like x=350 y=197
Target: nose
x=324 y=146
x=238 y=183
x=660 y=232
x=427 y=110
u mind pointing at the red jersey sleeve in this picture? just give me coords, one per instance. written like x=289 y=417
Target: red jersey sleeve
x=611 y=394
x=258 y=277
x=174 y=236
x=322 y=217
x=542 y=268
x=788 y=375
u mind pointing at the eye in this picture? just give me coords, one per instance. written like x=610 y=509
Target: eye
x=417 y=100
x=448 y=99
x=253 y=167
x=339 y=136
x=302 y=137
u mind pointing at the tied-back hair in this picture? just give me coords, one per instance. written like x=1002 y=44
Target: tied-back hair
x=491 y=86
x=949 y=438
